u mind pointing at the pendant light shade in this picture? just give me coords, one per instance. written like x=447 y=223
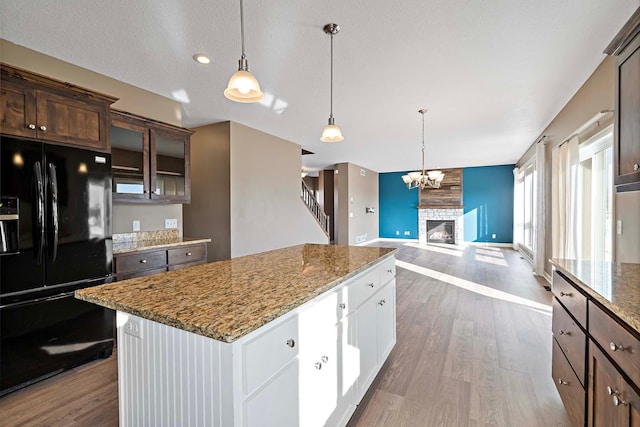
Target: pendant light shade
x=243 y=86
x=331 y=132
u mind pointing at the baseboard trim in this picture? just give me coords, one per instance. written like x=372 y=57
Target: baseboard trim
x=491 y=244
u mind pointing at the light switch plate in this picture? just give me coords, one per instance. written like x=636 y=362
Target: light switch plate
x=171 y=223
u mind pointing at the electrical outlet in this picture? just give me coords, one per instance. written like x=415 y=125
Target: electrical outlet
x=493 y=236
x=171 y=223
x=136 y=225
x=133 y=328
x=397 y=232
x=407 y=233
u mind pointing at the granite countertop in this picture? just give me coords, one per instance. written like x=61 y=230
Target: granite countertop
x=156 y=239
x=226 y=300
x=614 y=285
x=127 y=246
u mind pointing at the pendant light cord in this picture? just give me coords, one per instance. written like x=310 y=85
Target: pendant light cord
x=423 y=171
x=242 y=28
x=331 y=96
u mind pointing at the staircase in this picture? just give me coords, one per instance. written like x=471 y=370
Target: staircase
x=314 y=207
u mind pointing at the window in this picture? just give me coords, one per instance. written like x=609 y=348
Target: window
x=525 y=207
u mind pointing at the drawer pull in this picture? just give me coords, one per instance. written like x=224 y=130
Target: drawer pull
x=389 y=271
x=382 y=302
x=617 y=401
x=188 y=254
x=612 y=392
x=43 y=128
x=32 y=126
x=291 y=343
x=564 y=332
x=143 y=261
x=562 y=382
x=324 y=359
x=615 y=347
x=565 y=294
x=342 y=305
x=370 y=285
x=318 y=365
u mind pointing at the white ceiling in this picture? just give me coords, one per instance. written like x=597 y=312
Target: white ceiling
x=492 y=73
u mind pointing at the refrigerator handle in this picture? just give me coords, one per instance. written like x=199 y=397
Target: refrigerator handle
x=53 y=194
x=39 y=212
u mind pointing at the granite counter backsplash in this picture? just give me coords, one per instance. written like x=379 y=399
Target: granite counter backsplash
x=226 y=300
x=143 y=240
x=614 y=285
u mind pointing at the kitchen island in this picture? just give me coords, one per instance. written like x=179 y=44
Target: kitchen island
x=288 y=337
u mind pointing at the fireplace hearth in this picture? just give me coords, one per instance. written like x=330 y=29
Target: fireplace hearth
x=441 y=231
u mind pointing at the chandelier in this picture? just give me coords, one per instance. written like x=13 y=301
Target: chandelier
x=424 y=179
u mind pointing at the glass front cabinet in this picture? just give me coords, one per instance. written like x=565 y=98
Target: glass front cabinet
x=150 y=160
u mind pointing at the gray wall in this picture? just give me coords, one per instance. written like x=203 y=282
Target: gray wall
x=356 y=192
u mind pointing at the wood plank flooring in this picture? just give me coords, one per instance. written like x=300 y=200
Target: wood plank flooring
x=473 y=349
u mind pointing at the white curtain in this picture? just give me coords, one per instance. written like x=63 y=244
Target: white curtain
x=564 y=203
x=539 y=258
x=518 y=202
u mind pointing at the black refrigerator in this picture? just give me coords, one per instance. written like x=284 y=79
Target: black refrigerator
x=55 y=238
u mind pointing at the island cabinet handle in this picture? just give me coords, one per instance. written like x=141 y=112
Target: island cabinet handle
x=370 y=285
x=318 y=365
x=565 y=294
x=188 y=254
x=325 y=359
x=389 y=271
x=382 y=302
x=291 y=343
x=342 y=305
x=143 y=261
x=615 y=347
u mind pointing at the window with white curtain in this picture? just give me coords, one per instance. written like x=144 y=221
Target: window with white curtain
x=595 y=197
x=525 y=207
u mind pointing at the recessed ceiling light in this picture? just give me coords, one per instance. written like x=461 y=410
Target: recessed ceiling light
x=201 y=58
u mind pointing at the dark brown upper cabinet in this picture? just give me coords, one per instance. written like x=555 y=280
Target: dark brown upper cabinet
x=626 y=45
x=35 y=106
x=150 y=160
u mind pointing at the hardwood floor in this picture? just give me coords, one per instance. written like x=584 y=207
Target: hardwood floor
x=473 y=349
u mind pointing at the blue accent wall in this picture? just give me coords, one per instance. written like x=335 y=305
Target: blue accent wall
x=487 y=195
x=397 y=207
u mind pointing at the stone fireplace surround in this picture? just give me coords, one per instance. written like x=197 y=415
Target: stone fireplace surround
x=433 y=213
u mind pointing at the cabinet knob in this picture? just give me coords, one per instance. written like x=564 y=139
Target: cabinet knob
x=636 y=167
x=382 y=302
x=43 y=128
x=188 y=254
x=324 y=359
x=612 y=392
x=617 y=401
x=291 y=343
x=370 y=285
x=562 y=382
x=615 y=347
x=342 y=305
x=143 y=261
x=565 y=294
x=31 y=126
x=389 y=271
x=561 y=332
x=318 y=365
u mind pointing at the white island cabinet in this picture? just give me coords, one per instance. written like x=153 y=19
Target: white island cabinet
x=310 y=366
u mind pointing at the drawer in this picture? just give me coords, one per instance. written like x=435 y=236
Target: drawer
x=126 y=276
x=362 y=287
x=327 y=310
x=571 y=339
x=189 y=264
x=140 y=261
x=619 y=344
x=269 y=352
x=571 y=392
x=387 y=270
x=186 y=254
x=571 y=298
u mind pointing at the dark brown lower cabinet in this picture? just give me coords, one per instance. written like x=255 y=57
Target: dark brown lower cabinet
x=570 y=389
x=613 y=402
x=153 y=261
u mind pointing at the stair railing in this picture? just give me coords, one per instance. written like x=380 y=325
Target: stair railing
x=314 y=207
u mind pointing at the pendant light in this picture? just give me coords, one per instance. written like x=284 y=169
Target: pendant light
x=425 y=178
x=243 y=86
x=331 y=132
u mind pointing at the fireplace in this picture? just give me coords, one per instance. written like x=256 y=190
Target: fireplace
x=441 y=231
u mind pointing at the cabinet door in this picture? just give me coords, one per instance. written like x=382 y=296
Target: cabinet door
x=71 y=121
x=129 y=161
x=367 y=345
x=170 y=165
x=276 y=404
x=17 y=110
x=386 y=320
x=613 y=402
